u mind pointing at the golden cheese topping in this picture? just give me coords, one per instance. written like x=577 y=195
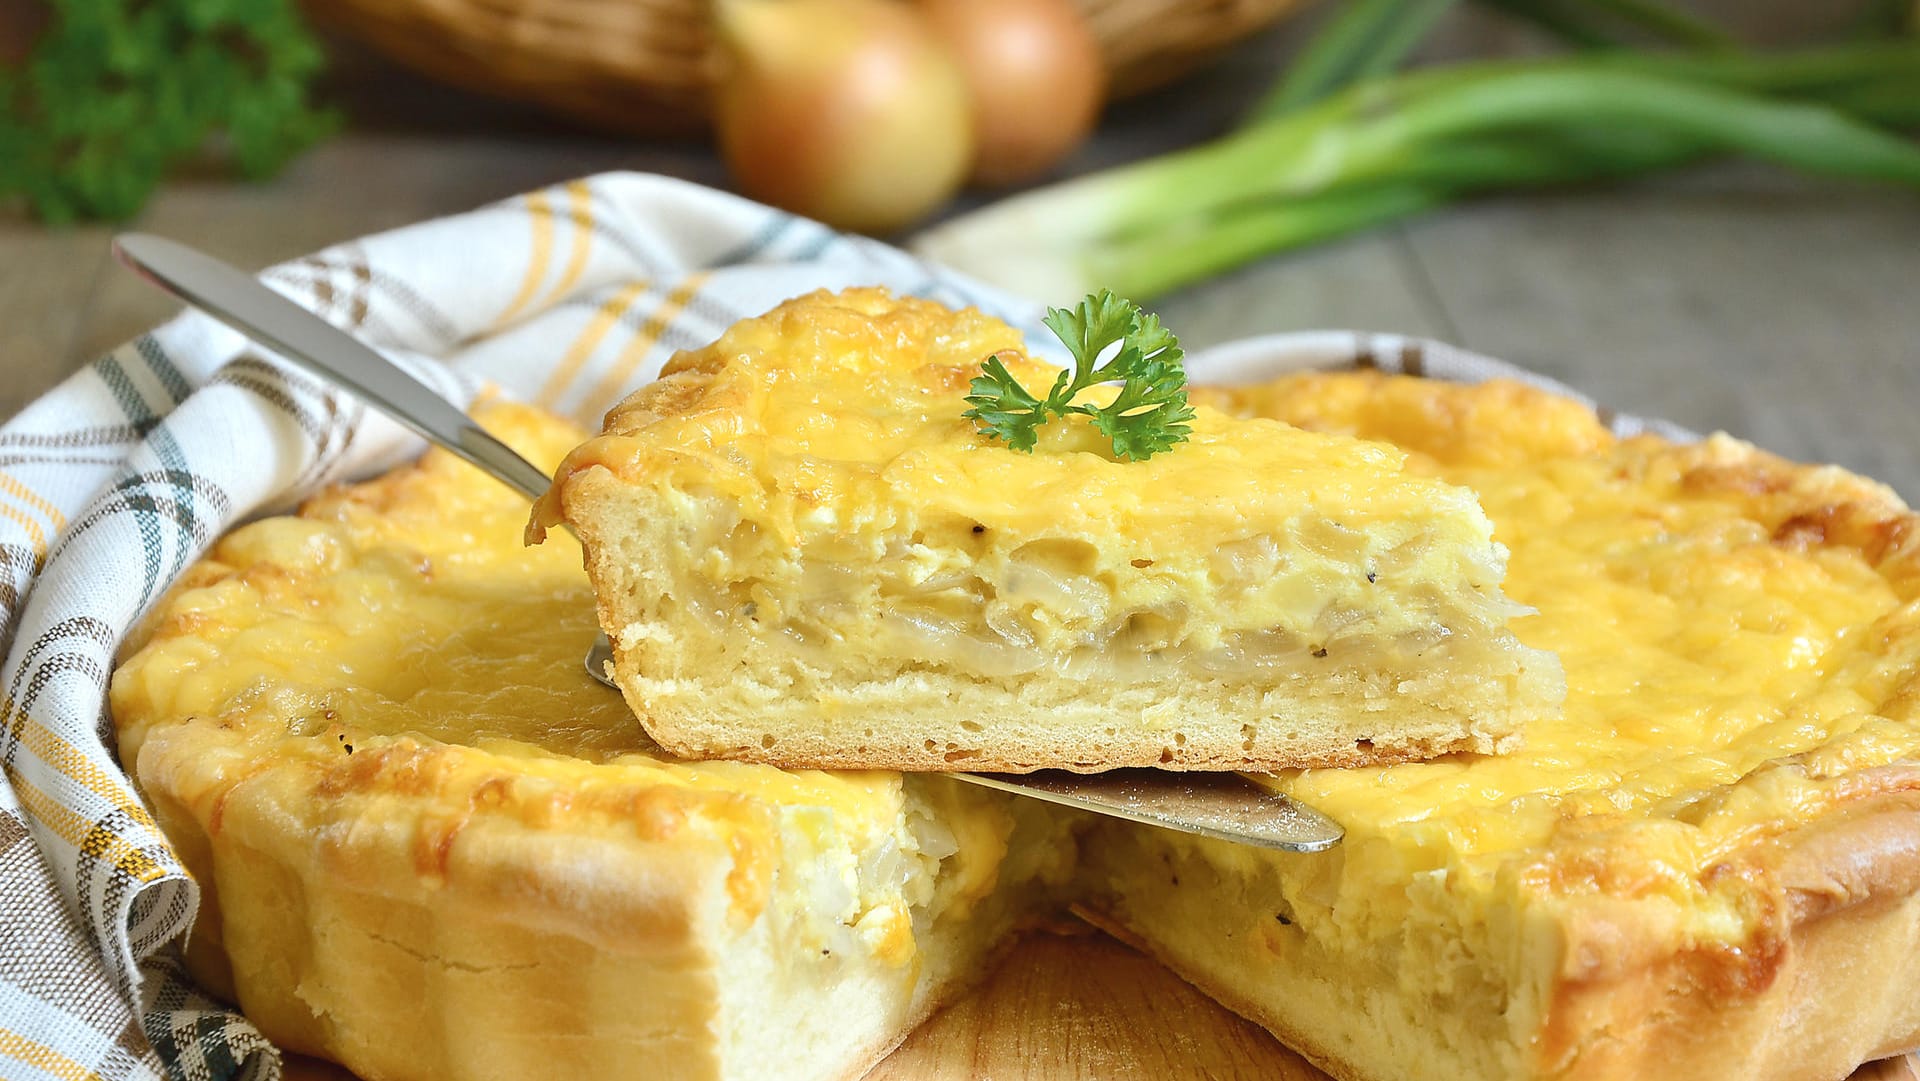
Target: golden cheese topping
x=397 y=641
x=1741 y=641
x=821 y=449
x=411 y=607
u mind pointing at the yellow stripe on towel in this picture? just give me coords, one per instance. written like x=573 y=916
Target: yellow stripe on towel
x=576 y=355
x=637 y=349
x=42 y=1058
x=580 y=213
x=540 y=209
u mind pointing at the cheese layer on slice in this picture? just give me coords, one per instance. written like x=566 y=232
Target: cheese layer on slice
x=806 y=555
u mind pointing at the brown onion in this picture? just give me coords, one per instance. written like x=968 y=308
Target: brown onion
x=849 y=111
x=1034 y=71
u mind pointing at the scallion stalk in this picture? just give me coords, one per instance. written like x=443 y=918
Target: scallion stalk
x=1586 y=24
x=1200 y=246
x=1569 y=27
x=1393 y=147
x=1807 y=73
x=1669 y=24
x=1364 y=39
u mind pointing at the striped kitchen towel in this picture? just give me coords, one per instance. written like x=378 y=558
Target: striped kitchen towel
x=114 y=482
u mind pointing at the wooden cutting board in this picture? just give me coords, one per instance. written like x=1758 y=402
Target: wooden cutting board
x=1087 y=1007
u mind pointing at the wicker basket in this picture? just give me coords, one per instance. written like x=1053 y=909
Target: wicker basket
x=645 y=65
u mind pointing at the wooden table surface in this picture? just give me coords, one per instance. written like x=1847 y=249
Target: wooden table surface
x=1782 y=310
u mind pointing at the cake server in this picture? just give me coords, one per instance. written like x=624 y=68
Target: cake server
x=1226 y=806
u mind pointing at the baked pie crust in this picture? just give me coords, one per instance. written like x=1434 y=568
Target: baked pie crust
x=1706 y=867
x=431 y=847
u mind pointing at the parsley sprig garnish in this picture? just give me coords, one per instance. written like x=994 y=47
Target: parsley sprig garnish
x=1148 y=415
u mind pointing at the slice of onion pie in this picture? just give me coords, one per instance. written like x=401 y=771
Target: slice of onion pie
x=806 y=555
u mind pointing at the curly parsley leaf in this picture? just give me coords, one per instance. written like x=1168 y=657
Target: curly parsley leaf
x=1003 y=407
x=1149 y=414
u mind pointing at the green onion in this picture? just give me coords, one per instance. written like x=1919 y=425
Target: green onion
x=1199 y=247
x=1388 y=148
x=1894 y=104
x=1566 y=20
x=1569 y=28
x=1811 y=73
x=1367 y=38
x=1371 y=38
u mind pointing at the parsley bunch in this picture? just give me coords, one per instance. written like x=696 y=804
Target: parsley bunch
x=1150 y=414
x=116 y=92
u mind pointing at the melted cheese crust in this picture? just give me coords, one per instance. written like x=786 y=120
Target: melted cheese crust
x=1741 y=639
x=817 y=456
x=395 y=645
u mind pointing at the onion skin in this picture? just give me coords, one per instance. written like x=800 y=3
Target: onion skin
x=1034 y=71
x=849 y=111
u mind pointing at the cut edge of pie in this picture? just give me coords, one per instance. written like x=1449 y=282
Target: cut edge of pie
x=804 y=555
x=1596 y=992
